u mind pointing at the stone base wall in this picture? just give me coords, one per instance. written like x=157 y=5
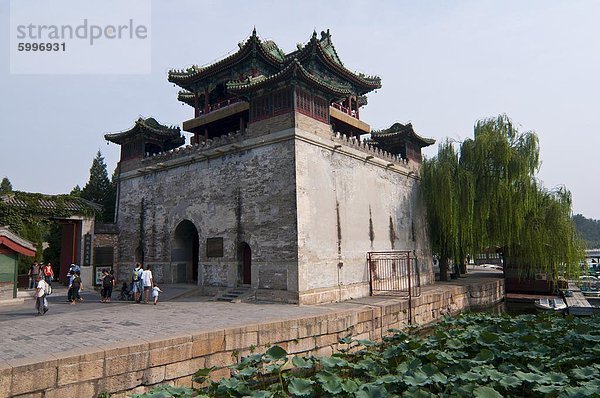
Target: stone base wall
x=334 y=293
x=6 y=290
x=135 y=367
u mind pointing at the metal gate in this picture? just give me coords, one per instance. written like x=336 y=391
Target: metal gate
x=393 y=273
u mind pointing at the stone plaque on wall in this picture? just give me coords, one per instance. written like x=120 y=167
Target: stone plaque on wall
x=214 y=247
x=87 y=249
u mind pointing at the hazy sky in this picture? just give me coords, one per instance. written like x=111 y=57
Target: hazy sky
x=443 y=64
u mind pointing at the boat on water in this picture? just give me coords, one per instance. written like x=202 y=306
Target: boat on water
x=591 y=293
x=553 y=304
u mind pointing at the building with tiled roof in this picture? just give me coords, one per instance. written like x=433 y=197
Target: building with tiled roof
x=263 y=81
x=11 y=246
x=279 y=192
x=76 y=217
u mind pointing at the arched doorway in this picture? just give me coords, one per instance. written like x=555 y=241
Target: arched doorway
x=245 y=263
x=184 y=253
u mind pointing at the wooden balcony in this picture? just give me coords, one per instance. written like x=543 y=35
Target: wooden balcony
x=350 y=120
x=216 y=113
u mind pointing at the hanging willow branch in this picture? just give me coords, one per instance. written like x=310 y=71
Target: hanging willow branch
x=485 y=195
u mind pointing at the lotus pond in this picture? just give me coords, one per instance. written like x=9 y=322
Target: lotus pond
x=471 y=355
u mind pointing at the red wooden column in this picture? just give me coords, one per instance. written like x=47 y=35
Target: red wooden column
x=196 y=110
x=357 y=106
x=206 y=96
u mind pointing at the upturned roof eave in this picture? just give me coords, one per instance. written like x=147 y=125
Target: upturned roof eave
x=184 y=79
x=398 y=130
x=366 y=83
x=140 y=127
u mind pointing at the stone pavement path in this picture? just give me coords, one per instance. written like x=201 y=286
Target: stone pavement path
x=92 y=325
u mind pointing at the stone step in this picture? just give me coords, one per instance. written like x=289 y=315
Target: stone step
x=234 y=295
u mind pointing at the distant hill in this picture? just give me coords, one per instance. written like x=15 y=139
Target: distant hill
x=589 y=230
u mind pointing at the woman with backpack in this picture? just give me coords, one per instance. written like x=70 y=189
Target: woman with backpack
x=136 y=282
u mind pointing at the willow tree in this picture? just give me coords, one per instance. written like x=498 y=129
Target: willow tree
x=439 y=187
x=491 y=198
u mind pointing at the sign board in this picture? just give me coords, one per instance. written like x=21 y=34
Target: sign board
x=214 y=247
x=87 y=249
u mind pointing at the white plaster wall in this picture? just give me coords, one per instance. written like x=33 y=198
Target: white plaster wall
x=362 y=189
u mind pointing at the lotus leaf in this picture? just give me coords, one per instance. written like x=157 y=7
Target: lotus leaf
x=300 y=387
x=331 y=362
x=371 y=391
x=274 y=353
x=350 y=385
x=486 y=392
x=301 y=362
x=330 y=382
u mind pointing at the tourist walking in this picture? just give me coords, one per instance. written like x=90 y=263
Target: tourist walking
x=74 y=268
x=136 y=282
x=108 y=283
x=48 y=273
x=148 y=283
x=42 y=288
x=155 y=291
x=70 y=291
x=77 y=286
x=33 y=273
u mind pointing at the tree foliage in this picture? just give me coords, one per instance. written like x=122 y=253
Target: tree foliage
x=99 y=189
x=589 y=230
x=5 y=186
x=485 y=195
x=76 y=191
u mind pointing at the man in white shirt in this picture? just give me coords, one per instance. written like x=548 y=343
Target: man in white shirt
x=41 y=304
x=148 y=283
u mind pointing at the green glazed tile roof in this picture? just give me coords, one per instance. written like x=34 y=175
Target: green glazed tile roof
x=150 y=127
x=397 y=131
x=269 y=52
x=294 y=69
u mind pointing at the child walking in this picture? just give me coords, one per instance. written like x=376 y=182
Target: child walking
x=155 y=291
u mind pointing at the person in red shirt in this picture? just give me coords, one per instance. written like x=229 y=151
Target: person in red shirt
x=48 y=273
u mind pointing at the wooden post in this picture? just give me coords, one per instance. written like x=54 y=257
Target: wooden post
x=357 y=106
x=206 y=100
x=196 y=109
x=205 y=134
x=242 y=126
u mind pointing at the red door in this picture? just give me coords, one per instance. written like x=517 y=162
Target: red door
x=246 y=264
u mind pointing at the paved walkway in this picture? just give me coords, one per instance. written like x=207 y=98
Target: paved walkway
x=92 y=324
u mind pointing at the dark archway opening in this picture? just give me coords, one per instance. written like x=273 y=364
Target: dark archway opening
x=184 y=253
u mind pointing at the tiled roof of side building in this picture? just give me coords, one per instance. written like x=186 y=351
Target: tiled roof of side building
x=147 y=126
x=398 y=130
x=49 y=202
x=16 y=242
